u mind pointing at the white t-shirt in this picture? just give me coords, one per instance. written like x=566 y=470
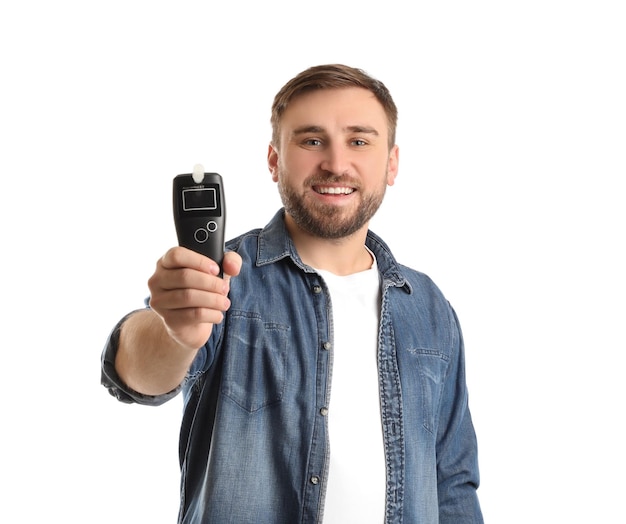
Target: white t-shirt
x=356 y=482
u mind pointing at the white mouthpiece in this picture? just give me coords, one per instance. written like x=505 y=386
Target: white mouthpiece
x=198 y=173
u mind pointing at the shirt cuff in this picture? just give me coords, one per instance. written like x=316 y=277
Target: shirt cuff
x=111 y=380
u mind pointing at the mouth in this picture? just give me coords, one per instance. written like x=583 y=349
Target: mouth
x=334 y=190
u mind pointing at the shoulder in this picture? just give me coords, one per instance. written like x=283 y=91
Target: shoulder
x=244 y=242
x=402 y=276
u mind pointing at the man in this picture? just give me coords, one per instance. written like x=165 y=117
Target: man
x=329 y=382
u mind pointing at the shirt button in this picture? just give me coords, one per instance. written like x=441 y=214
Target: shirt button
x=317 y=289
x=324 y=412
x=327 y=345
x=315 y=480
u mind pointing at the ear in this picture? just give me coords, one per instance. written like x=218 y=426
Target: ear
x=272 y=162
x=392 y=165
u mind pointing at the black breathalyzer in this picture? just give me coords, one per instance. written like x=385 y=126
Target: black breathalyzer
x=200 y=213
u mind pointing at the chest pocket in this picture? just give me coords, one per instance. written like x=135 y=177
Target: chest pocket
x=254 y=360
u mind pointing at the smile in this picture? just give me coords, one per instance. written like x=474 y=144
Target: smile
x=334 y=190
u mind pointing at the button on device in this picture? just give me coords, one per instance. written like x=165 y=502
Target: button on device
x=201 y=235
x=212 y=226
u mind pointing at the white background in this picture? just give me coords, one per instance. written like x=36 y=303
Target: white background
x=510 y=196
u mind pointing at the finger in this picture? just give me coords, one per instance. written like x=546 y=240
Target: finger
x=181 y=257
x=179 y=299
x=186 y=278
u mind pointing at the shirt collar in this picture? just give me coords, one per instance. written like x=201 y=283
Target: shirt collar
x=276 y=244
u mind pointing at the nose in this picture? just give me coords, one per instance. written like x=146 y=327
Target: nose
x=335 y=160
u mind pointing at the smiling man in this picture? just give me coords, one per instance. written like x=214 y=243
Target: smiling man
x=323 y=381
x=332 y=162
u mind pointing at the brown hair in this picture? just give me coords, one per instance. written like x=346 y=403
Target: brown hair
x=332 y=76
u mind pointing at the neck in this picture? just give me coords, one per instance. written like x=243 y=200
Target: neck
x=341 y=256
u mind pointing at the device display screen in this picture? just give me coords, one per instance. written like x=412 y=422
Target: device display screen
x=200 y=199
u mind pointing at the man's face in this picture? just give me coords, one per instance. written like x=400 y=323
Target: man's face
x=333 y=162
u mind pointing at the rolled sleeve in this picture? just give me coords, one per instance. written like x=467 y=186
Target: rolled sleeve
x=115 y=385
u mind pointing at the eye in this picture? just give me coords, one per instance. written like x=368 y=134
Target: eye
x=359 y=142
x=312 y=142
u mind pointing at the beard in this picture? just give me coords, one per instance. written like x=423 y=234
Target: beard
x=326 y=220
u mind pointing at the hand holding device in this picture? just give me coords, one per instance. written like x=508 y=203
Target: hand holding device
x=200 y=213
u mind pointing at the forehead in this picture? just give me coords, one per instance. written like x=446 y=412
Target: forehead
x=335 y=108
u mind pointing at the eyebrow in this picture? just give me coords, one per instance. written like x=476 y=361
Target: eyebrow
x=349 y=129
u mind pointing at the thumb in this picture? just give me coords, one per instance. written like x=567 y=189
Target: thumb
x=231 y=265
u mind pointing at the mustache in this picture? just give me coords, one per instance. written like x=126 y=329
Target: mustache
x=329 y=178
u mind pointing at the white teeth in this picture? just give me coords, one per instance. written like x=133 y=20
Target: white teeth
x=335 y=190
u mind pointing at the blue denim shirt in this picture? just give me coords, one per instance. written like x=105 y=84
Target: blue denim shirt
x=254 y=436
